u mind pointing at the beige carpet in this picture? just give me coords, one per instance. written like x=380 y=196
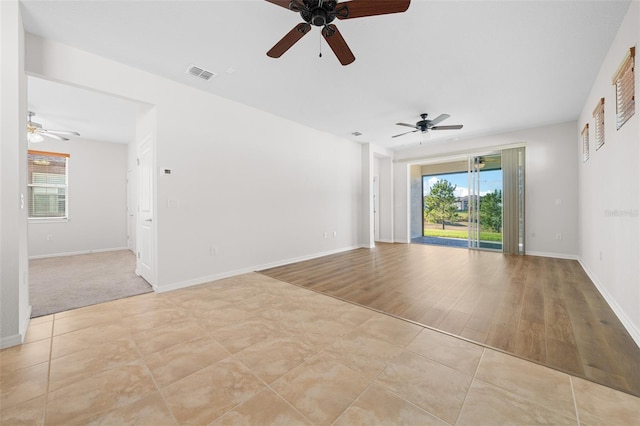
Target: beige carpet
x=59 y=284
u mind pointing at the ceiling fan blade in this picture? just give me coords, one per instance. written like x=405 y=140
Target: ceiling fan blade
x=406 y=133
x=338 y=45
x=440 y=118
x=52 y=136
x=283 y=3
x=407 y=125
x=289 y=40
x=61 y=132
x=360 y=8
x=453 y=127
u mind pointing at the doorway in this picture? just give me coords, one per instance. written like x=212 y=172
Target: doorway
x=87 y=256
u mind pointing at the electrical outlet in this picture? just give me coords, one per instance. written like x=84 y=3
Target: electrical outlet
x=325 y=234
x=49 y=237
x=213 y=251
x=558 y=236
x=335 y=234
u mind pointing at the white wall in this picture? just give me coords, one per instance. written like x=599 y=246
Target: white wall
x=551 y=183
x=14 y=289
x=97 y=201
x=609 y=188
x=260 y=194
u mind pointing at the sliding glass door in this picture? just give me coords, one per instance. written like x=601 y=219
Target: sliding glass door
x=476 y=201
x=485 y=202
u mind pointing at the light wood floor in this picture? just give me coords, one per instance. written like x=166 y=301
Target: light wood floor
x=542 y=309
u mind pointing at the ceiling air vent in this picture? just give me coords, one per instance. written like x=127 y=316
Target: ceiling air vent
x=200 y=72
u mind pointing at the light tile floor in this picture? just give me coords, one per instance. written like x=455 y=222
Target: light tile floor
x=253 y=350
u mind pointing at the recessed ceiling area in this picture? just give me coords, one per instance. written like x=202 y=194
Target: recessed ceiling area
x=95 y=116
x=493 y=65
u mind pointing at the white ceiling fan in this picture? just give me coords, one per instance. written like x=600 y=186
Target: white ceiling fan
x=35 y=132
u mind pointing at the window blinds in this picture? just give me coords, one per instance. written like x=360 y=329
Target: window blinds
x=585 y=142
x=598 y=116
x=513 y=200
x=47 y=185
x=624 y=80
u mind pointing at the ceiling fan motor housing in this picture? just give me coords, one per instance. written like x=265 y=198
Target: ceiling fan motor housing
x=424 y=125
x=319 y=13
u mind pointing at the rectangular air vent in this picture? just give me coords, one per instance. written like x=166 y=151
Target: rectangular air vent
x=200 y=72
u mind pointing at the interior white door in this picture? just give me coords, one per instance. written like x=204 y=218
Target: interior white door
x=376 y=208
x=146 y=229
x=131 y=211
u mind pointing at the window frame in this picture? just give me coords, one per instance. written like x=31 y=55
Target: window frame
x=31 y=184
x=624 y=81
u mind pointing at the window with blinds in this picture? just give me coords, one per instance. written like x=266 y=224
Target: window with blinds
x=585 y=142
x=47 y=185
x=625 y=89
x=598 y=116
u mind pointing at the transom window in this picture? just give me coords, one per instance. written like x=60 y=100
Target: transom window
x=48 y=185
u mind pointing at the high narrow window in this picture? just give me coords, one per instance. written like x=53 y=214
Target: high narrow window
x=585 y=142
x=598 y=116
x=48 y=184
x=625 y=89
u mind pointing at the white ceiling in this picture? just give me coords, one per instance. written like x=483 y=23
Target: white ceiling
x=94 y=115
x=492 y=65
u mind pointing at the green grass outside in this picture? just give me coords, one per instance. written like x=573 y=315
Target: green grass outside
x=448 y=233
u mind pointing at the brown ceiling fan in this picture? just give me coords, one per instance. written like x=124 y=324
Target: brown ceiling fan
x=322 y=12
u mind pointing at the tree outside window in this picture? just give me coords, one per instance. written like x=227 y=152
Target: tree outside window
x=440 y=205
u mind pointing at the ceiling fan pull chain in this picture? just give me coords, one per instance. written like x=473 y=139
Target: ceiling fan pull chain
x=320 y=43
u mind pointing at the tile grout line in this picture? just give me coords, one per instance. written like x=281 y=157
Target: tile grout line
x=371 y=383
x=267 y=385
x=229 y=355
x=387 y=389
x=286 y=401
x=575 y=402
x=473 y=378
x=164 y=401
x=46 y=395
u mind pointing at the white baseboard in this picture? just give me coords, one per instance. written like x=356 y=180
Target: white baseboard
x=385 y=241
x=7 y=342
x=75 y=253
x=631 y=328
x=553 y=255
x=228 y=274
x=17 y=339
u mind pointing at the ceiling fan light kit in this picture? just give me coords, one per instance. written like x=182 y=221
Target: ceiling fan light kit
x=321 y=13
x=35 y=132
